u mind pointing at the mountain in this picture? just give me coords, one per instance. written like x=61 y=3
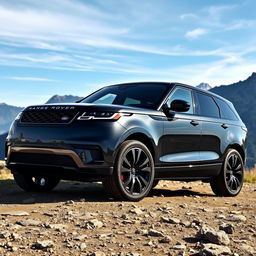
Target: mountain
x=204 y=86
x=63 y=99
x=242 y=94
x=7 y=114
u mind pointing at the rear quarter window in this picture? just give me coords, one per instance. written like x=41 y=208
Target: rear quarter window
x=206 y=106
x=225 y=111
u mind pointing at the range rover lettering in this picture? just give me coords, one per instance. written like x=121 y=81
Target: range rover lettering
x=130 y=136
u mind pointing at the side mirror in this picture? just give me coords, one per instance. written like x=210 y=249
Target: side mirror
x=179 y=106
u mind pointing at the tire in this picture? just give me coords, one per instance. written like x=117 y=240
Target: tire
x=134 y=172
x=28 y=182
x=155 y=183
x=230 y=180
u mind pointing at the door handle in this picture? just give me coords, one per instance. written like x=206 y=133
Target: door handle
x=194 y=123
x=225 y=126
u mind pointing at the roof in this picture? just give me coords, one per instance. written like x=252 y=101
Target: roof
x=173 y=84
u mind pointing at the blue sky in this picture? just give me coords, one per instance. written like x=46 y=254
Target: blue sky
x=74 y=47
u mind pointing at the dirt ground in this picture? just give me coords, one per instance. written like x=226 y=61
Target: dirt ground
x=79 y=219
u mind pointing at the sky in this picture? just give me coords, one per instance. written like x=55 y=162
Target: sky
x=75 y=46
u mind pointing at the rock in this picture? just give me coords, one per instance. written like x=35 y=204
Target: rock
x=156 y=233
x=94 y=223
x=29 y=222
x=5 y=234
x=141 y=231
x=210 y=235
x=185 y=223
x=44 y=244
x=58 y=227
x=170 y=220
x=82 y=246
x=136 y=211
x=237 y=218
x=15 y=213
x=98 y=253
x=179 y=246
x=165 y=240
x=214 y=250
x=248 y=249
x=228 y=228
x=81 y=237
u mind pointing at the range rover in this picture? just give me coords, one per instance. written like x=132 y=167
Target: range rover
x=130 y=136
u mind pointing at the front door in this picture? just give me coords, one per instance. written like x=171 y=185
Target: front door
x=181 y=140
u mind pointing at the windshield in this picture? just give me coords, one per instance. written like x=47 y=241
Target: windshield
x=144 y=95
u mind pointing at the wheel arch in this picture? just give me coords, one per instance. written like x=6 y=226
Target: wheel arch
x=143 y=138
x=240 y=150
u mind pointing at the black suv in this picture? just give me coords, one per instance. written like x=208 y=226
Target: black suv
x=130 y=136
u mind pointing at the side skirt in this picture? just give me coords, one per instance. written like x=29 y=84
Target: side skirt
x=188 y=172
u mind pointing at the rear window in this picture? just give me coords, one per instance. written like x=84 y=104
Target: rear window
x=206 y=106
x=225 y=110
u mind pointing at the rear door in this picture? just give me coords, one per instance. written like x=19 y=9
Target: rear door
x=213 y=130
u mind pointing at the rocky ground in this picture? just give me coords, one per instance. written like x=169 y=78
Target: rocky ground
x=175 y=219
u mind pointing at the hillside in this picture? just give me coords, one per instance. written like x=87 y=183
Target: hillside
x=7 y=114
x=242 y=94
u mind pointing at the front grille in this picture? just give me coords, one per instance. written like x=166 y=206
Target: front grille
x=42 y=159
x=49 y=117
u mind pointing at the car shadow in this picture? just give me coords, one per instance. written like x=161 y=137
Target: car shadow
x=10 y=193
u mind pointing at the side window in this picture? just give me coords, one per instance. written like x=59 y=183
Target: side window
x=206 y=106
x=225 y=110
x=182 y=94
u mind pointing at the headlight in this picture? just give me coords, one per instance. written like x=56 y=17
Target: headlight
x=100 y=115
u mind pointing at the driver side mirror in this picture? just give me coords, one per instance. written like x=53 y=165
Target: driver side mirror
x=176 y=106
x=179 y=106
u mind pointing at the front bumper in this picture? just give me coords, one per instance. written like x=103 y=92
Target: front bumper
x=62 y=163
x=84 y=149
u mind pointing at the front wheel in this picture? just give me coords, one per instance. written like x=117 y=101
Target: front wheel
x=133 y=172
x=35 y=183
x=230 y=180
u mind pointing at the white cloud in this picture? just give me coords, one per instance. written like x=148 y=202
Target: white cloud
x=186 y=16
x=33 y=79
x=195 y=33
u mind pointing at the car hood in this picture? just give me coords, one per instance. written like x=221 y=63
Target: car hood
x=92 y=107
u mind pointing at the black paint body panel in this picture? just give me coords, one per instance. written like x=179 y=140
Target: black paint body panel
x=181 y=149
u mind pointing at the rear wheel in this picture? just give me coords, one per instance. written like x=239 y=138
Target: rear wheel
x=230 y=180
x=133 y=172
x=29 y=182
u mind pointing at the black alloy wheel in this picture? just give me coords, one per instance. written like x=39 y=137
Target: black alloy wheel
x=230 y=181
x=134 y=172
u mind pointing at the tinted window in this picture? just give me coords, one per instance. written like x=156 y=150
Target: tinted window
x=106 y=99
x=206 y=106
x=182 y=94
x=145 y=95
x=225 y=110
